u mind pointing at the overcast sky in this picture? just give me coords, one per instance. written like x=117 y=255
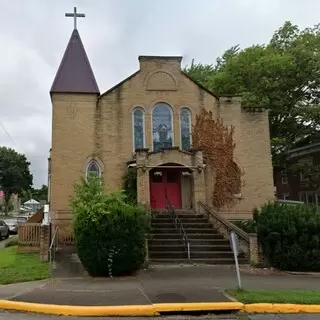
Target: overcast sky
x=34 y=34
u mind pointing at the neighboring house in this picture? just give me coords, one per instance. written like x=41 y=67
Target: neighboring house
x=300 y=186
x=145 y=121
x=34 y=205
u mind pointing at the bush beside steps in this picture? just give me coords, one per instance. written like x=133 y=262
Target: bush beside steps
x=110 y=233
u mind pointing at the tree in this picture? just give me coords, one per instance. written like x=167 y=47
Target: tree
x=37 y=194
x=283 y=75
x=14 y=173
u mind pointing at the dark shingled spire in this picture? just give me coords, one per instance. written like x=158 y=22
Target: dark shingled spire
x=75 y=74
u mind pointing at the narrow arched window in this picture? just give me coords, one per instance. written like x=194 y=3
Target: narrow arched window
x=185 y=128
x=138 y=128
x=93 y=169
x=162 y=127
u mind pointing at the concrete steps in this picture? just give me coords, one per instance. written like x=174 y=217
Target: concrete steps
x=207 y=245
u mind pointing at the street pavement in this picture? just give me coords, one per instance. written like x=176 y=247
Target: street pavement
x=155 y=285
x=21 y=316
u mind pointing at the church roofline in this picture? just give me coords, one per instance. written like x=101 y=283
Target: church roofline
x=175 y=58
x=159 y=57
x=200 y=85
x=119 y=84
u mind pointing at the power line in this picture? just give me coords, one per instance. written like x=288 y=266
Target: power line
x=10 y=137
x=8 y=134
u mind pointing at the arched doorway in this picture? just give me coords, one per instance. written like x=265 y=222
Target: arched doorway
x=165 y=181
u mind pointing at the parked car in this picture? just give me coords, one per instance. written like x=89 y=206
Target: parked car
x=4 y=230
x=13 y=225
x=22 y=219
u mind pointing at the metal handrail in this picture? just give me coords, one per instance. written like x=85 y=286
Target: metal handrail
x=52 y=246
x=179 y=226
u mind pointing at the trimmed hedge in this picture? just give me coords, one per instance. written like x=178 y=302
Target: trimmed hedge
x=110 y=234
x=290 y=236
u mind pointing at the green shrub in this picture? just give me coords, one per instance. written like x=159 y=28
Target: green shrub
x=290 y=236
x=248 y=226
x=11 y=243
x=130 y=185
x=110 y=234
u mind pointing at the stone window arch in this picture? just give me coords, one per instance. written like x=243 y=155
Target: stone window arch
x=162 y=126
x=93 y=168
x=138 y=128
x=185 y=128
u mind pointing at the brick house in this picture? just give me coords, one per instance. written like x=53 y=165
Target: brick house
x=146 y=121
x=299 y=186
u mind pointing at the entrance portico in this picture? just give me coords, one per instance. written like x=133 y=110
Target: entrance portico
x=172 y=172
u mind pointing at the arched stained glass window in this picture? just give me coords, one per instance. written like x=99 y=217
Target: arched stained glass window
x=138 y=128
x=185 y=128
x=162 y=131
x=93 y=169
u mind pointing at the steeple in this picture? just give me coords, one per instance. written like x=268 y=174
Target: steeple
x=75 y=74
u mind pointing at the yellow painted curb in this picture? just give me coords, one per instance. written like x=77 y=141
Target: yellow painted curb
x=198 y=306
x=65 y=310
x=281 y=308
x=155 y=309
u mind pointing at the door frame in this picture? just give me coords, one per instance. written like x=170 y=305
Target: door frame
x=164 y=186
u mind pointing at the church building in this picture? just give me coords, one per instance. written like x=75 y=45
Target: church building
x=145 y=121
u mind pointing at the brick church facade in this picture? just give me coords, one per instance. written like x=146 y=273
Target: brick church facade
x=146 y=122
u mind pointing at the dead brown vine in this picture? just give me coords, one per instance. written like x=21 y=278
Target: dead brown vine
x=216 y=141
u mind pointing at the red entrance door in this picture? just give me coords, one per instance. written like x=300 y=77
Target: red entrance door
x=164 y=182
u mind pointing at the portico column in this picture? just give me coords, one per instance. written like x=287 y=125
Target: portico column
x=199 y=193
x=143 y=188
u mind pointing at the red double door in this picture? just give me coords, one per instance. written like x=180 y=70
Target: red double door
x=164 y=182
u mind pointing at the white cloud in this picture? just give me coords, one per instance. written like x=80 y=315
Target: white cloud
x=34 y=34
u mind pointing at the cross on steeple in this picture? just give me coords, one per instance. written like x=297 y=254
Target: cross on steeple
x=75 y=15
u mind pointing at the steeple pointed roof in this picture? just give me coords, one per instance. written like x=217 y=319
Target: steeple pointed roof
x=75 y=74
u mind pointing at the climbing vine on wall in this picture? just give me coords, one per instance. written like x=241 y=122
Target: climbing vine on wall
x=130 y=185
x=216 y=141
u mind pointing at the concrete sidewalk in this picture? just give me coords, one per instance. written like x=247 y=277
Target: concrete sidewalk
x=155 y=285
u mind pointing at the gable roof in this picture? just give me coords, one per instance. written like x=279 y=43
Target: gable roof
x=119 y=84
x=75 y=74
x=164 y=57
x=200 y=85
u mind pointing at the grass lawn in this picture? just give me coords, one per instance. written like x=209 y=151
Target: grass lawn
x=276 y=296
x=20 y=267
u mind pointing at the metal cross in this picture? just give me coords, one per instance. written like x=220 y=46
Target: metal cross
x=75 y=15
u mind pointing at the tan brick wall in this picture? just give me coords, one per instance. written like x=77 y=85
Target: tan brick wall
x=105 y=129
x=252 y=155
x=72 y=143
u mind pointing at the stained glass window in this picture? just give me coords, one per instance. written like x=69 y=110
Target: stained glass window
x=138 y=128
x=162 y=133
x=93 y=169
x=185 y=128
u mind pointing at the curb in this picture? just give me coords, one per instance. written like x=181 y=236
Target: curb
x=135 y=310
x=155 y=309
x=198 y=306
x=79 y=311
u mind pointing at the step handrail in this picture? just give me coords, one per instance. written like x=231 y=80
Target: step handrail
x=178 y=226
x=230 y=226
